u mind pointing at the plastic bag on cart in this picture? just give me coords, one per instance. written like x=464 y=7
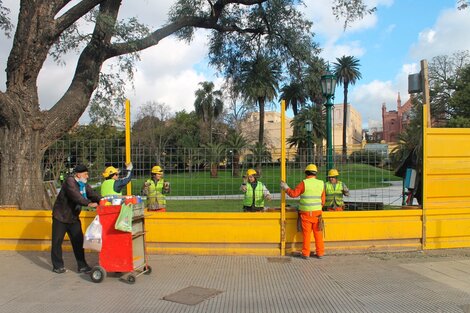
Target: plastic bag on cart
x=92 y=237
x=124 y=220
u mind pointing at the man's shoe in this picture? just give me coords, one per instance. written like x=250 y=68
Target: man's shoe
x=303 y=257
x=85 y=269
x=318 y=256
x=59 y=270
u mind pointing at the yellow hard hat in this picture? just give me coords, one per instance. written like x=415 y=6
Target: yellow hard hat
x=157 y=170
x=311 y=168
x=250 y=172
x=333 y=173
x=110 y=170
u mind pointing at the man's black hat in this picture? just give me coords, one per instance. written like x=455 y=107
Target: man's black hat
x=80 y=168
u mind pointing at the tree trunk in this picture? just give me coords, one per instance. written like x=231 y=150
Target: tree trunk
x=21 y=179
x=236 y=165
x=214 y=170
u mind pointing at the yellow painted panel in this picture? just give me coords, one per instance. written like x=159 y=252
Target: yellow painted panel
x=455 y=167
x=447 y=187
x=449 y=144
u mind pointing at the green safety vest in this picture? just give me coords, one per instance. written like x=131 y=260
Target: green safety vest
x=256 y=195
x=310 y=200
x=156 y=193
x=107 y=188
x=334 y=194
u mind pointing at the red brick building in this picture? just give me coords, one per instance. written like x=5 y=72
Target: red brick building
x=394 y=121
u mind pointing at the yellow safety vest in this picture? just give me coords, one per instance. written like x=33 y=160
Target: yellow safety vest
x=310 y=200
x=257 y=193
x=156 y=193
x=107 y=188
x=334 y=194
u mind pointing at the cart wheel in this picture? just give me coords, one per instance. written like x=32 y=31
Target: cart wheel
x=148 y=270
x=97 y=274
x=131 y=279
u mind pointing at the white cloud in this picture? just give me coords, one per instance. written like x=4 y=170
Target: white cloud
x=448 y=35
x=368 y=98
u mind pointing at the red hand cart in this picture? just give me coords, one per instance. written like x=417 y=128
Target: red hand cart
x=121 y=252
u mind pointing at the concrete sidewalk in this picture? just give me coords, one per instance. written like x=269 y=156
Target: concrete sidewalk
x=431 y=281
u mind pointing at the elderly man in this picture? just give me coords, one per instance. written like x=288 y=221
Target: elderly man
x=74 y=194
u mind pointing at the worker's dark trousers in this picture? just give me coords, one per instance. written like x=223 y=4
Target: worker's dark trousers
x=74 y=230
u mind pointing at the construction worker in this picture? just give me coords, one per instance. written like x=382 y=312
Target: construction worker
x=255 y=192
x=312 y=197
x=334 y=190
x=113 y=185
x=156 y=188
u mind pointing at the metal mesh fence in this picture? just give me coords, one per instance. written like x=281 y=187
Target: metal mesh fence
x=209 y=179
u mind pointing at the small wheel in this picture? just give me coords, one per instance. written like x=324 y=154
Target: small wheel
x=148 y=270
x=131 y=279
x=97 y=274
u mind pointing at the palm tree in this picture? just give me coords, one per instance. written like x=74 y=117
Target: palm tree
x=295 y=96
x=259 y=83
x=299 y=136
x=236 y=143
x=347 y=72
x=208 y=106
x=215 y=155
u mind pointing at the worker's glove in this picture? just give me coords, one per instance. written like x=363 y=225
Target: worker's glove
x=268 y=197
x=284 y=185
x=243 y=188
x=129 y=166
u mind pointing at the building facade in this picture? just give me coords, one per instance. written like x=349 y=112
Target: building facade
x=395 y=121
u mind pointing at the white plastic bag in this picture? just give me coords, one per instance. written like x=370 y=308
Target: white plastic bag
x=92 y=237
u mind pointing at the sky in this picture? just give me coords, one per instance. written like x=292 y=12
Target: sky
x=389 y=45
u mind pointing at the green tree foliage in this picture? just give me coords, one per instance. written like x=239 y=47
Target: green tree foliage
x=299 y=137
x=460 y=100
x=208 y=106
x=444 y=72
x=258 y=82
x=347 y=73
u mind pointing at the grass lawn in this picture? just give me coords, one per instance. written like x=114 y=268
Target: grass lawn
x=355 y=176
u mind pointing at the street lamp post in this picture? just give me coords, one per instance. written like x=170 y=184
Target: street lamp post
x=328 y=84
x=308 y=129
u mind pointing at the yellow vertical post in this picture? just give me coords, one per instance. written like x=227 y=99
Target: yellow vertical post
x=128 y=141
x=283 y=177
x=426 y=124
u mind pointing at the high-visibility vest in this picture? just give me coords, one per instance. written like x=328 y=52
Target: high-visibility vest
x=257 y=193
x=107 y=188
x=334 y=194
x=155 y=193
x=310 y=200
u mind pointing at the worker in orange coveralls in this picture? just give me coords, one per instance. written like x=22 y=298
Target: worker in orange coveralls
x=312 y=197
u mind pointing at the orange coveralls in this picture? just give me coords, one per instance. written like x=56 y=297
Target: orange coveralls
x=309 y=222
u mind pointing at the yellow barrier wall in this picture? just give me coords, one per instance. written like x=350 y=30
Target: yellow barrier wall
x=234 y=233
x=446 y=194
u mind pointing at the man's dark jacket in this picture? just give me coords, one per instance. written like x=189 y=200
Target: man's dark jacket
x=69 y=202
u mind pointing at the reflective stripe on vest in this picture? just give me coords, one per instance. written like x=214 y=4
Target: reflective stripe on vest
x=310 y=200
x=107 y=188
x=258 y=193
x=334 y=194
x=156 y=193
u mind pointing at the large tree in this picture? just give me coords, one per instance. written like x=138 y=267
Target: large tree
x=347 y=73
x=51 y=27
